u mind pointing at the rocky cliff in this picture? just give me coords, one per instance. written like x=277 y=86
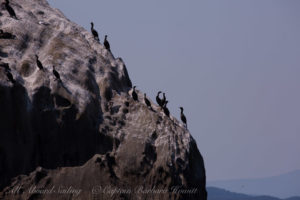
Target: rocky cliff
x=82 y=137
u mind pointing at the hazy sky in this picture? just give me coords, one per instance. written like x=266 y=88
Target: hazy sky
x=233 y=65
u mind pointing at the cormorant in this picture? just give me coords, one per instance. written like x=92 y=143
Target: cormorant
x=106 y=43
x=38 y=63
x=158 y=100
x=56 y=74
x=163 y=101
x=10 y=77
x=166 y=110
x=6 y=35
x=183 y=118
x=10 y=10
x=94 y=32
x=134 y=94
x=147 y=102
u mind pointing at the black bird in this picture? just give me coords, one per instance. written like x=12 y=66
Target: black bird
x=134 y=94
x=183 y=118
x=158 y=100
x=163 y=101
x=6 y=35
x=10 y=10
x=55 y=73
x=5 y=66
x=38 y=63
x=166 y=110
x=10 y=77
x=94 y=32
x=106 y=43
x=147 y=102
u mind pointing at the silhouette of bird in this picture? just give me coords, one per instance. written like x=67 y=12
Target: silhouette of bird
x=94 y=32
x=55 y=73
x=38 y=63
x=182 y=116
x=134 y=94
x=166 y=110
x=106 y=43
x=6 y=35
x=147 y=102
x=10 y=10
x=163 y=101
x=158 y=100
x=10 y=77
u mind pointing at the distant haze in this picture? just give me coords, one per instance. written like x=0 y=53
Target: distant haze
x=283 y=186
x=233 y=65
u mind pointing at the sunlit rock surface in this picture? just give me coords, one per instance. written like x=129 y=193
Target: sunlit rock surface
x=83 y=133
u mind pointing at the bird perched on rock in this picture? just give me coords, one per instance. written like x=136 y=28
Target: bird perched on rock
x=134 y=94
x=147 y=102
x=94 y=32
x=166 y=110
x=163 y=101
x=158 y=99
x=10 y=77
x=182 y=116
x=10 y=10
x=106 y=43
x=56 y=74
x=6 y=35
x=38 y=62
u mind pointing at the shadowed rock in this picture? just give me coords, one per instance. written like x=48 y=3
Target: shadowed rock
x=85 y=131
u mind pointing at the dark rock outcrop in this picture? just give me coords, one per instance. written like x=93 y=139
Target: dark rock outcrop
x=83 y=137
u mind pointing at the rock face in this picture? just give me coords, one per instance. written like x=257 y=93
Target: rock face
x=82 y=137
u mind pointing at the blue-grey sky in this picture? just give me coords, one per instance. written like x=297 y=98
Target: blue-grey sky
x=233 y=65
